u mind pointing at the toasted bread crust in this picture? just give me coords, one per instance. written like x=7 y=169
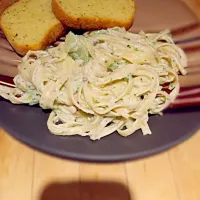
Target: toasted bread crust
x=87 y=23
x=50 y=36
x=4 y=4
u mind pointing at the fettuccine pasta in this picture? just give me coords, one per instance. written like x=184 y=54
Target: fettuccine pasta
x=101 y=82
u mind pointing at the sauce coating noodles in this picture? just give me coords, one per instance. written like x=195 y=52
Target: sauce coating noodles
x=101 y=82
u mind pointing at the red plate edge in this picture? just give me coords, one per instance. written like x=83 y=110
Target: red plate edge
x=188 y=96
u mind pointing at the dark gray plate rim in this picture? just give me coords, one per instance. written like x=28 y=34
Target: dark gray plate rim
x=190 y=115
x=97 y=158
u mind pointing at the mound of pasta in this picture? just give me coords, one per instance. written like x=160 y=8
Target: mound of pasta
x=101 y=82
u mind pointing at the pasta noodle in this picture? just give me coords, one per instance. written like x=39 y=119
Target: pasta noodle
x=101 y=82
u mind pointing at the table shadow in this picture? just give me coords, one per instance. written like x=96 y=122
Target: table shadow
x=87 y=190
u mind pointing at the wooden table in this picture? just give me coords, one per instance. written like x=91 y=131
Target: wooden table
x=26 y=174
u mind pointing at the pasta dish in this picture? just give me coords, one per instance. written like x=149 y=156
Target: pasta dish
x=101 y=82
